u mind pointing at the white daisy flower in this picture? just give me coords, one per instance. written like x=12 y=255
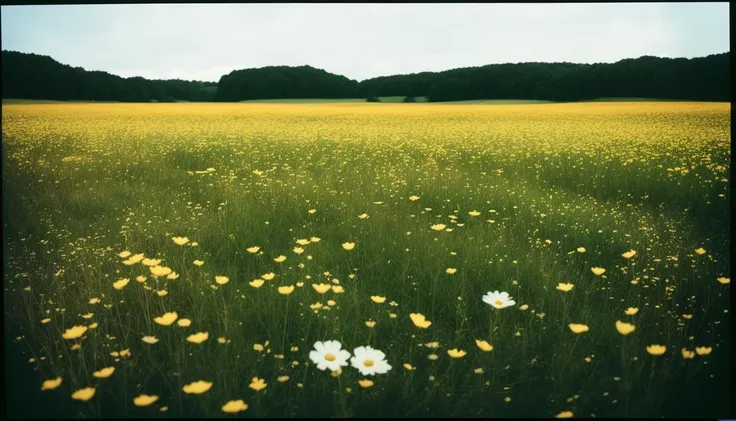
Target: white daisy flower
x=369 y=361
x=329 y=355
x=498 y=300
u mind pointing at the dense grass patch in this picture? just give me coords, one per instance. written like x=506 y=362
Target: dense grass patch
x=429 y=207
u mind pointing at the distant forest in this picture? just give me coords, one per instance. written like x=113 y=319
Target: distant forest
x=32 y=76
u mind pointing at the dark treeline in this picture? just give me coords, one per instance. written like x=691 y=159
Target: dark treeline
x=707 y=79
x=32 y=76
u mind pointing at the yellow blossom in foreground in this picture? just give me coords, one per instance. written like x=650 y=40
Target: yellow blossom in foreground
x=365 y=383
x=253 y=249
x=222 y=280
x=198 y=262
x=118 y=285
x=180 y=241
x=348 y=246
x=624 y=328
x=124 y=254
x=598 y=271
x=631 y=311
x=167 y=319
x=322 y=288
x=581 y=249
x=144 y=400
x=256 y=283
x=703 y=350
x=312 y=211
x=409 y=367
x=656 y=349
x=438 y=227
x=198 y=338
x=51 y=384
x=282 y=379
x=233 y=407
x=413 y=198
x=629 y=254
x=151 y=262
x=258 y=347
x=149 y=339
x=377 y=299
x=419 y=320
x=286 y=290
x=700 y=251
x=474 y=213
x=370 y=323
x=84 y=394
x=578 y=328
x=46 y=320
x=94 y=300
x=565 y=287
x=451 y=271
x=688 y=355
x=724 y=280
x=104 y=373
x=257 y=384
x=455 y=353
x=74 y=332
x=268 y=276
x=565 y=414
x=483 y=345
x=197 y=387
x=184 y=322
x=338 y=289
x=280 y=259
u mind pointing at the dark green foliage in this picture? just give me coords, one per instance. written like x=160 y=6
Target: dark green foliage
x=33 y=76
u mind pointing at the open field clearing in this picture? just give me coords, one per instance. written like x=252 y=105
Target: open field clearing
x=175 y=259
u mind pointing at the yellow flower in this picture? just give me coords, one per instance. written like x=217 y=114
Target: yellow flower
x=286 y=290
x=84 y=394
x=118 y=285
x=656 y=349
x=451 y=271
x=337 y=289
x=151 y=262
x=93 y=325
x=365 y=383
x=46 y=320
x=331 y=302
x=438 y=227
x=167 y=319
x=253 y=250
x=298 y=250
x=315 y=239
x=280 y=259
x=688 y=355
x=74 y=332
x=687 y=316
x=700 y=250
x=87 y=316
x=162 y=293
x=565 y=414
x=363 y=216
x=322 y=288
x=268 y=276
x=348 y=246
x=94 y=300
x=149 y=339
x=624 y=328
x=197 y=387
x=135 y=258
x=312 y=211
x=474 y=213
x=258 y=347
x=233 y=407
x=198 y=338
x=124 y=254
x=51 y=384
x=282 y=379
x=145 y=400
x=565 y=287
x=483 y=345
x=724 y=280
x=303 y=241
x=370 y=323
x=315 y=306
x=256 y=283
x=578 y=328
x=419 y=320
x=409 y=367
x=104 y=373
x=631 y=311
x=413 y=198
x=581 y=249
x=703 y=350
x=184 y=322
x=140 y=278
x=455 y=353
x=257 y=384
x=198 y=262
x=629 y=254
x=222 y=280
x=432 y=345
x=180 y=241
x=377 y=299
x=598 y=271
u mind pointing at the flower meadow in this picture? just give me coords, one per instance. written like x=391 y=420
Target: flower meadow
x=349 y=260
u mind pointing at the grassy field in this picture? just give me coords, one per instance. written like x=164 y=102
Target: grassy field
x=316 y=222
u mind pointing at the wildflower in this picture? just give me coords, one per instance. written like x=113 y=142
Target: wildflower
x=438 y=227
x=280 y=259
x=631 y=311
x=483 y=345
x=233 y=407
x=700 y=251
x=268 y=276
x=498 y=300
x=409 y=367
x=688 y=355
x=419 y=320
x=656 y=349
x=451 y=271
x=581 y=249
x=286 y=290
x=145 y=400
x=565 y=287
x=74 y=332
x=184 y=322
x=598 y=271
x=474 y=213
x=413 y=198
x=257 y=384
x=256 y=283
x=370 y=323
x=119 y=285
x=151 y=262
x=180 y=241
x=377 y=299
x=329 y=355
x=198 y=262
x=84 y=394
x=365 y=383
x=149 y=339
x=348 y=246
x=51 y=384
x=369 y=361
x=565 y=414
x=322 y=288
x=724 y=280
x=624 y=328
x=703 y=350
x=222 y=280
x=253 y=250
x=578 y=328
x=455 y=353
x=629 y=254
x=167 y=319
x=198 y=338
x=197 y=388
x=124 y=254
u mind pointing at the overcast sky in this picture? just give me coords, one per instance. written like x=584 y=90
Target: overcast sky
x=360 y=41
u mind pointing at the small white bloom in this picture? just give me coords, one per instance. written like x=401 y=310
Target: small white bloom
x=498 y=300
x=369 y=361
x=329 y=355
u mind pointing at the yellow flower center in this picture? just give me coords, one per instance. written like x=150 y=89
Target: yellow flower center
x=368 y=363
x=330 y=357
x=498 y=302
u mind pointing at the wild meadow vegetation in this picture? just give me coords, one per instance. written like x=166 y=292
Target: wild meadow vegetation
x=194 y=259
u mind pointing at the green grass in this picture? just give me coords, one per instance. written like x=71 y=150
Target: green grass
x=83 y=183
